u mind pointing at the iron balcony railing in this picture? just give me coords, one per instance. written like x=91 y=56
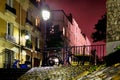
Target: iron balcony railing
x=10 y=38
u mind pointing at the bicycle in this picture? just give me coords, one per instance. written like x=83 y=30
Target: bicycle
x=71 y=59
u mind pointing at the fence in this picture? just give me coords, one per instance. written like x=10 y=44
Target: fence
x=82 y=52
x=87 y=50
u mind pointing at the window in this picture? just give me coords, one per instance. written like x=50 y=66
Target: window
x=37 y=43
x=37 y=0
x=10 y=29
x=37 y=21
x=63 y=31
x=29 y=14
x=10 y=3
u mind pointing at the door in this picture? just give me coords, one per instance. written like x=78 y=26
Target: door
x=9 y=58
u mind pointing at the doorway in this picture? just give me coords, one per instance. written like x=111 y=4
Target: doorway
x=9 y=58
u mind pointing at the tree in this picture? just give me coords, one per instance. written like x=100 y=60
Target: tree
x=55 y=39
x=100 y=33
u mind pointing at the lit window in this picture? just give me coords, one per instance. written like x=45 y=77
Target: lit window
x=37 y=0
x=37 y=21
x=63 y=31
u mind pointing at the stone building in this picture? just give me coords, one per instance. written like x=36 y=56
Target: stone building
x=18 y=19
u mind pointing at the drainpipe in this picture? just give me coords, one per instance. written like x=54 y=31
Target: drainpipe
x=19 y=56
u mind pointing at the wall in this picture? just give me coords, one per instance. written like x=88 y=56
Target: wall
x=113 y=25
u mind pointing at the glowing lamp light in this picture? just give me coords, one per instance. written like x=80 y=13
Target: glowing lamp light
x=27 y=37
x=45 y=15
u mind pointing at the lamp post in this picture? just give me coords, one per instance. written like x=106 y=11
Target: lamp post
x=45 y=16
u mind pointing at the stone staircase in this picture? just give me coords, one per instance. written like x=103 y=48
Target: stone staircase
x=104 y=73
x=55 y=73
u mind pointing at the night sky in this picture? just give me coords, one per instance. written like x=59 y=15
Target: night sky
x=85 y=12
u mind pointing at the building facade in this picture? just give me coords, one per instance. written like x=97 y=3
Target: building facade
x=70 y=29
x=77 y=38
x=20 y=36
x=71 y=33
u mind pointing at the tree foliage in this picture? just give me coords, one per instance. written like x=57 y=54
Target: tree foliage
x=55 y=39
x=100 y=27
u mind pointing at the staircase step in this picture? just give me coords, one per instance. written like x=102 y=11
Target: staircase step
x=11 y=74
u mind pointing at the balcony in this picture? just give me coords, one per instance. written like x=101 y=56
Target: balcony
x=10 y=38
x=12 y=10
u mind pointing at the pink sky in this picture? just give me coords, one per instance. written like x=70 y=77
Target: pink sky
x=85 y=12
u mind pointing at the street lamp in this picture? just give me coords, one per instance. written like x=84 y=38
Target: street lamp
x=26 y=37
x=45 y=16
